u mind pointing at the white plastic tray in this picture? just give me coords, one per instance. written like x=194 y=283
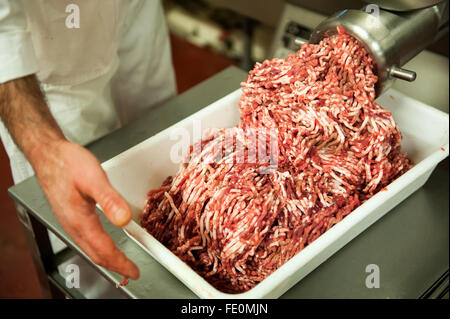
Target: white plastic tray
x=143 y=167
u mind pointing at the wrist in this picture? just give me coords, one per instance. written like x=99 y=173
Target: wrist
x=44 y=150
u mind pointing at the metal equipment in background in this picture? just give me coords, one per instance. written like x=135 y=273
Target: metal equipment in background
x=405 y=5
x=392 y=38
x=407 y=35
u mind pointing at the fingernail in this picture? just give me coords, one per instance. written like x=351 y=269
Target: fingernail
x=122 y=216
x=135 y=273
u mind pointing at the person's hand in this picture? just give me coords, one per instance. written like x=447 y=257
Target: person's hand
x=73 y=182
x=72 y=178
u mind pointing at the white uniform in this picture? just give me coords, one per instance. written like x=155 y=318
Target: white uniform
x=96 y=78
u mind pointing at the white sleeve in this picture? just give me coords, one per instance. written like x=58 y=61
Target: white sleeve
x=17 y=57
x=145 y=76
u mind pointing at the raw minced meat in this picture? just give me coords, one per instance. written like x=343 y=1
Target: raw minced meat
x=234 y=222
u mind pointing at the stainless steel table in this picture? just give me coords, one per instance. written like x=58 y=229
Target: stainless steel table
x=410 y=244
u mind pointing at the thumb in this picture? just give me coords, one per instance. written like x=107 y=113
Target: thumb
x=113 y=205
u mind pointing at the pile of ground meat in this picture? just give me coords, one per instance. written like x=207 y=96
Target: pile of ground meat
x=235 y=222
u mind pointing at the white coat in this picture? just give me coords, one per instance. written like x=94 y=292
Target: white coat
x=96 y=78
x=97 y=75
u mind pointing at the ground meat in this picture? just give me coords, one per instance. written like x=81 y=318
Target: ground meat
x=234 y=221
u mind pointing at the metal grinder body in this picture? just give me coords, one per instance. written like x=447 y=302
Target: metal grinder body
x=393 y=32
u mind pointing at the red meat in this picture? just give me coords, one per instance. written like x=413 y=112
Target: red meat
x=234 y=223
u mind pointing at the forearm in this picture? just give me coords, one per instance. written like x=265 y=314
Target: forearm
x=70 y=176
x=25 y=114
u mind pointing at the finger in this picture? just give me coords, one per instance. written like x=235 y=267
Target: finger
x=112 y=203
x=102 y=250
x=119 y=263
